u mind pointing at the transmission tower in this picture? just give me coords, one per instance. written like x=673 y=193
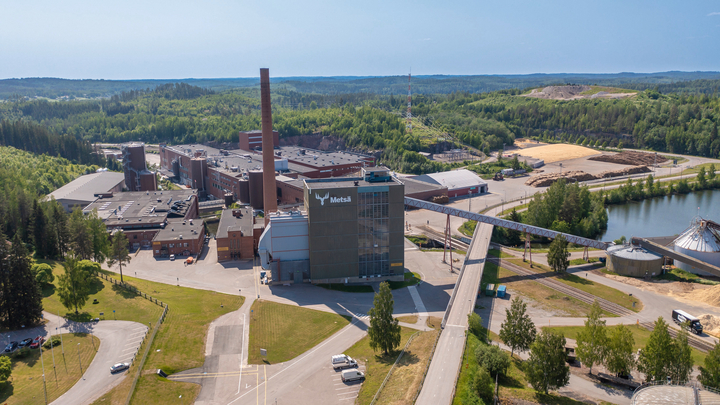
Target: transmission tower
x=409 y=114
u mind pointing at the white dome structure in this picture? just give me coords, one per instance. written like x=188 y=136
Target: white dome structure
x=701 y=241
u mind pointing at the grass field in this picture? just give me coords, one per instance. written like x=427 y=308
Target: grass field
x=433 y=322
x=25 y=386
x=287 y=331
x=127 y=305
x=408 y=318
x=586 y=285
x=682 y=275
x=640 y=334
x=179 y=344
x=577 y=262
x=377 y=365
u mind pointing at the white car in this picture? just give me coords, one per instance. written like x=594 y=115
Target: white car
x=119 y=367
x=172 y=257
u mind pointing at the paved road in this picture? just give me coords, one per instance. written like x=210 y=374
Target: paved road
x=440 y=381
x=119 y=340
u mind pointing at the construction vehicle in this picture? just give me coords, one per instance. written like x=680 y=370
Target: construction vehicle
x=498 y=176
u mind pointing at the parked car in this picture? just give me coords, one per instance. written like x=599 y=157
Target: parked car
x=119 y=367
x=37 y=342
x=11 y=347
x=352 y=375
x=340 y=361
x=172 y=257
x=25 y=342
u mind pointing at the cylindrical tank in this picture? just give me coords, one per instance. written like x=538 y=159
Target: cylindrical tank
x=176 y=168
x=244 y=185
x=630 y=260
x=255 y=183
x=700 y=241
x=229 y=199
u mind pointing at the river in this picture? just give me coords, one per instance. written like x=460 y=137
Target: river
x=661 y=216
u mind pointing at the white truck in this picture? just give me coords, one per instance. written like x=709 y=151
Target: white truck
x=352 y=375
x=340 y=361
x=683 y=318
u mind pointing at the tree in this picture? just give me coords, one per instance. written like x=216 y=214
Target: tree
x=515 y=163
x=61 y=235
x=546 y=368
x=710 y=372
x=39 y=230
x=384 y=331
x=592 y=339
x=656 y=354
x=484 y=385
x=681 y=362
x=701 y=179
x=73 y=286
x=5 y=368
x=619 y=357
x=518 y=330
x=80 y=238
x=620 y=241
x=475 y=327
x=711 y=172
x=493 y=359
x=558 y=254
x=99 y=237
x=119 y=251
x=43 y=273
x=21 y=298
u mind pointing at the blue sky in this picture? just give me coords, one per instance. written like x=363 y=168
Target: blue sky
x=183 y=39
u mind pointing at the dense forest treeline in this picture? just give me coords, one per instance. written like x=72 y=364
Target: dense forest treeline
x=36 y=138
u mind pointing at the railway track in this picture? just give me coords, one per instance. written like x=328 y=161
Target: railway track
x=693 y=341
x=440 y=238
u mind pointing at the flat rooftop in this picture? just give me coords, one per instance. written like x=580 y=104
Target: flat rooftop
x=142 y=207
x=229 y=223
x=340 y=182
x=413 y=186
x=176 y=230
x=85 y=187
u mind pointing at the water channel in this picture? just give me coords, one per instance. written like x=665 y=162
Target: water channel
x=661 y=216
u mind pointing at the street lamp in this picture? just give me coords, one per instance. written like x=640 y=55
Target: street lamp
x=79 y=361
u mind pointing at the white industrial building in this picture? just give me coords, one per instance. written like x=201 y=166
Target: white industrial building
x=86 y=189
x=459 y=183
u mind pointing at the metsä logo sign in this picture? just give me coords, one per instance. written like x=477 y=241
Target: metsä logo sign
x=333 y=200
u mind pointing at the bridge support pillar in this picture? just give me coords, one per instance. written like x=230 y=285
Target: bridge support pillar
x=586 y=254
x=448 y=242
x=528 y=248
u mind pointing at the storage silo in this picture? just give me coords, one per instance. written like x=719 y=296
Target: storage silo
x=631 y=260
x=244 y=185
x=255 y=183
x=701 y=241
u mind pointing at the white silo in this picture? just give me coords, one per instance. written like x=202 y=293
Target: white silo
x=701 y=241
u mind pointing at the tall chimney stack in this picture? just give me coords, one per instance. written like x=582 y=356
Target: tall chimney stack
x=269 y=193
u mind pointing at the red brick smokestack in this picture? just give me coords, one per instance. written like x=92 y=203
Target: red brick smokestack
x=269 y=193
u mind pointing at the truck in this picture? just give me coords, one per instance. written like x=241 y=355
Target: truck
x=682 y=318
x=340 y=361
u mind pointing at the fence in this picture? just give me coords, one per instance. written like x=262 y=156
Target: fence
x=147 y=341
x=393 y=367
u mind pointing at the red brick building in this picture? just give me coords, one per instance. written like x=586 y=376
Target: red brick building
x=179 y=238
x=249 y=140
x=236 y=234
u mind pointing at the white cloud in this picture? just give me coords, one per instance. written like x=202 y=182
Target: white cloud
x=714 y=13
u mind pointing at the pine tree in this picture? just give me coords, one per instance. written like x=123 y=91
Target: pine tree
x=119 y=251
x=546 y=368
x=80 y=238
x=558 y=254
x=518 y=330
x=21 y=296
x=384 y=331
x=62 y=236
x=592 y=340
x=99 y=237
x=39 y=230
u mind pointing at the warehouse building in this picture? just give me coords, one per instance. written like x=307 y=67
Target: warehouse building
x=459 y=183
x=179 y=238
x=237 y=234
x=351 y=231
x=86 y=189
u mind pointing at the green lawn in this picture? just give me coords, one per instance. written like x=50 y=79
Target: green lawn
x=682 y=275
x=640 y=334
x=377 y=365
x=588 y=286
x=179 y=344
x=352 y=288
x=577 y=262
x=25 y=386
x=287 y=331
x=498 y=253
x=127 y=305
x=410 y=279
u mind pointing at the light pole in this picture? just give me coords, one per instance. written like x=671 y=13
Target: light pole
x=79 y=361
x=42 y=361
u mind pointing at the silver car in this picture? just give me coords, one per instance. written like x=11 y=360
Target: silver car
x=119 y=367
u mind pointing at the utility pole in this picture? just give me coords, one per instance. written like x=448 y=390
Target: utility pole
x=42 y=361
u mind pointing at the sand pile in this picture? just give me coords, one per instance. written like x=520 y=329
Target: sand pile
x=709 y=295
x=710 y=323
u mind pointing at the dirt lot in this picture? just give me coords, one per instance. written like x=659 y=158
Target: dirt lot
x=576 y=92
x=630 y=158
x=557 y=152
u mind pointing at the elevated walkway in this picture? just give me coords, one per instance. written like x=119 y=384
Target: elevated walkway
x=680 y=257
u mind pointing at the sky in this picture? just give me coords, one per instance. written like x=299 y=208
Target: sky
x=178 y=39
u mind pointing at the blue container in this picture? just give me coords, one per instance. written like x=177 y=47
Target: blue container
x=501 y=291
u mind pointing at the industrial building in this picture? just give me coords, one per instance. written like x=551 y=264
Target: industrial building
x=252 y=140
x=142 y=214
x=87 y=188
x=700 y=241
x=179 y=238
x=459 y=183
x=238 y=234
x=137 y=175
x=634 y=261
x=351 y=230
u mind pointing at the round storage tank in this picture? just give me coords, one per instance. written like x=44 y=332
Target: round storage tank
x=229 y=199
x=244 y=191
x=255 y=183
x=629 y=260
x=701 y=241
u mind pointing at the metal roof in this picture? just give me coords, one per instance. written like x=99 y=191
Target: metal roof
x=632 y=252
x=85 y=187
x=454 y=179
x=702 y=236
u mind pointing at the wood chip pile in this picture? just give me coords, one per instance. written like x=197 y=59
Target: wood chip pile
x=624 y=172
x=545 y=180
x=630 y=158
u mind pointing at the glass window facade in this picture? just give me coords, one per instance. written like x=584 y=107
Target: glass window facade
x=373 y=234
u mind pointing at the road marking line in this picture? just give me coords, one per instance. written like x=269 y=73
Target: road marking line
x=345 y=388
x=242 y=350
x=265 y=370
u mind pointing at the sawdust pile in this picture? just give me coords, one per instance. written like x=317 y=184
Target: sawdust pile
x=545 y=180
x=557 y=152
x=630 y=158
x=710 y=323
x=709 y=295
